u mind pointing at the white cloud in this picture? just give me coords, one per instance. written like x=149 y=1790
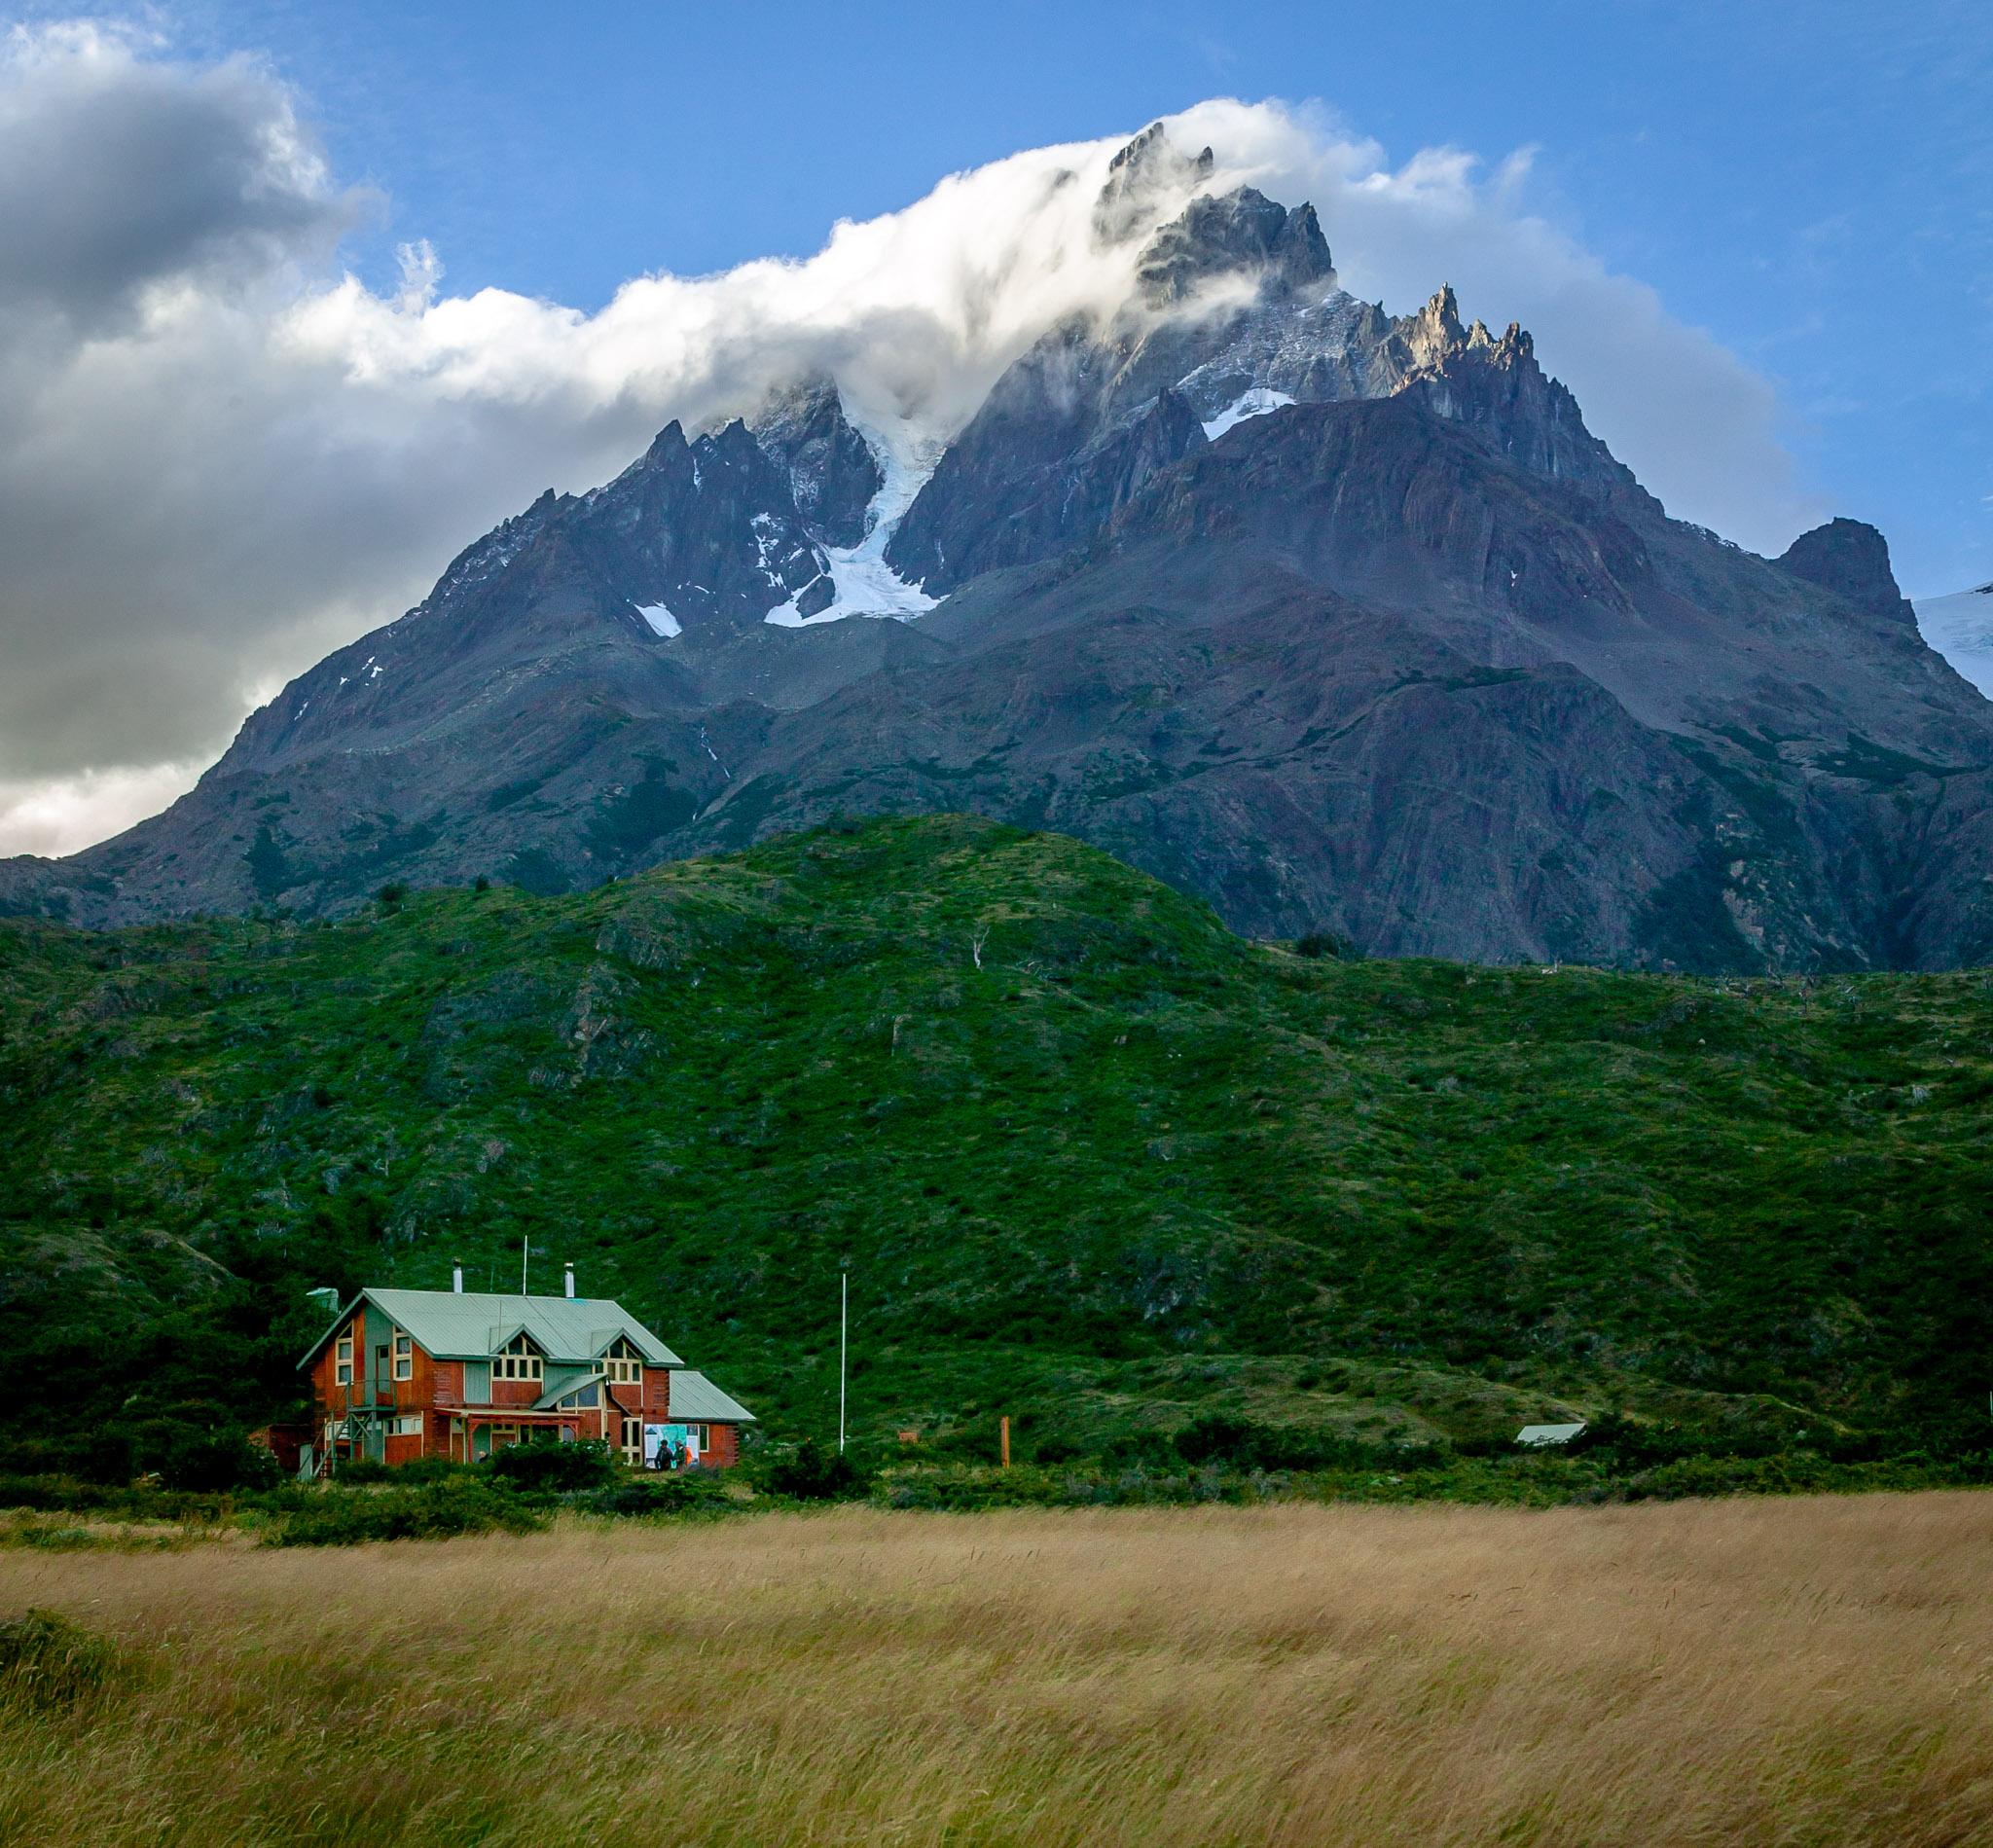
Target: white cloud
x=218 y=460
x=58 y=814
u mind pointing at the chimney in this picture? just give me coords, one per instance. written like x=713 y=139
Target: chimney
x=570 y=1280
x=457 y=1277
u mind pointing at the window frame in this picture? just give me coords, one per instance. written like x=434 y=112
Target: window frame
x=622 y=1364
x=343 y=1360
x=402 y=1352
x=520 y=1360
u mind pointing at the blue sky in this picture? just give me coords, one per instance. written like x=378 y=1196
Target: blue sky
x=1812 y=184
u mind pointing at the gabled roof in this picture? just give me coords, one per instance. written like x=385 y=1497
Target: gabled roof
x=473 y=1326
x=696 y=1399
x=1538 y=1436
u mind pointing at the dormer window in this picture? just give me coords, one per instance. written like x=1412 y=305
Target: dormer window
x=342 y=1361
x=623 y=1364
x=404 y=1357
x=517 y=1360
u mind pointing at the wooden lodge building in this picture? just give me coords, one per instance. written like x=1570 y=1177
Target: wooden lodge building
x=406 y=1373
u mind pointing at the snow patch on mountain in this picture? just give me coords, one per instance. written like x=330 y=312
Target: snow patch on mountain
x=660 y=620
x=1960 y=627
x=1255 y=403
x=865 y=585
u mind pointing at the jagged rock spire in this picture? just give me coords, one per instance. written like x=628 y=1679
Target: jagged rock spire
x=1142 y=177
x=1241 y=232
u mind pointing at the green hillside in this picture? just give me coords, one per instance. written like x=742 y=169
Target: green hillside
x=1092 y=1160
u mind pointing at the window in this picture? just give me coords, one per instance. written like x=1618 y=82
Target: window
x=342 y=1361
x=632 y=1442
x=623 y=1365
x=517 y=1360
x=407 y=1426
x=404 y=1357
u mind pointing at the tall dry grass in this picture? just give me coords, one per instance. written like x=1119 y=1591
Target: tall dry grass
x=1768 y=1672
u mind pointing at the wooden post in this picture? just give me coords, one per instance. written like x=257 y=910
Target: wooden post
x=1006 y=1440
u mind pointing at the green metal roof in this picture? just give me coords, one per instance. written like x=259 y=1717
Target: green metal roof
x=697 y=1400
x=449 y=1325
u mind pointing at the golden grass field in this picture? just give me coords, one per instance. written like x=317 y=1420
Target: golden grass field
x=1770 y=1671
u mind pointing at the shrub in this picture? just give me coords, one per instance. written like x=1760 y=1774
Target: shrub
x=439 y=1512
x=109 y=1457
x=213 y=1463
x=418 y=1470
x=1055 y=1449
x=681 y=1491
x=47 y=1662
x=1217 y=1439
x=1140 y=1450
x=553 y=1468
x=816 y=1476
x=359 y=1470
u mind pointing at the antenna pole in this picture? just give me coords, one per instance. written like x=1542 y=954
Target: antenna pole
x=844 y=1328
x=525 y=1246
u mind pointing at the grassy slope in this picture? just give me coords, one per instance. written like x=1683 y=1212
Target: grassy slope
x=1126 y=1168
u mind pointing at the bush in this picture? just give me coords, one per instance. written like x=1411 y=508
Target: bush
x=47 y=1662
x=816 y=1475
x=418 y=1470
x=109 y=1457
x=1140 y=1450
x=356 y=1471
x=214 y=1463
x=553 y=1469
x=439 y=1512
x=681 y=1491
x=1219 y=1439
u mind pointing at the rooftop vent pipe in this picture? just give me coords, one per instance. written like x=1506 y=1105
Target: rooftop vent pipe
x=457 y=1277
x=570 y=1280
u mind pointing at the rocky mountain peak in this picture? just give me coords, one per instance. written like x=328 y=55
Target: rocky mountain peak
x=1851 y=559
x=1435 y=332
x=1239 y=231
x=1499 y=390
x=832 y=471
x=1145 y=173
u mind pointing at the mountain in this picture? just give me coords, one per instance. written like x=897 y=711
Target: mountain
x=1341 y=621
x=1091 y=1157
